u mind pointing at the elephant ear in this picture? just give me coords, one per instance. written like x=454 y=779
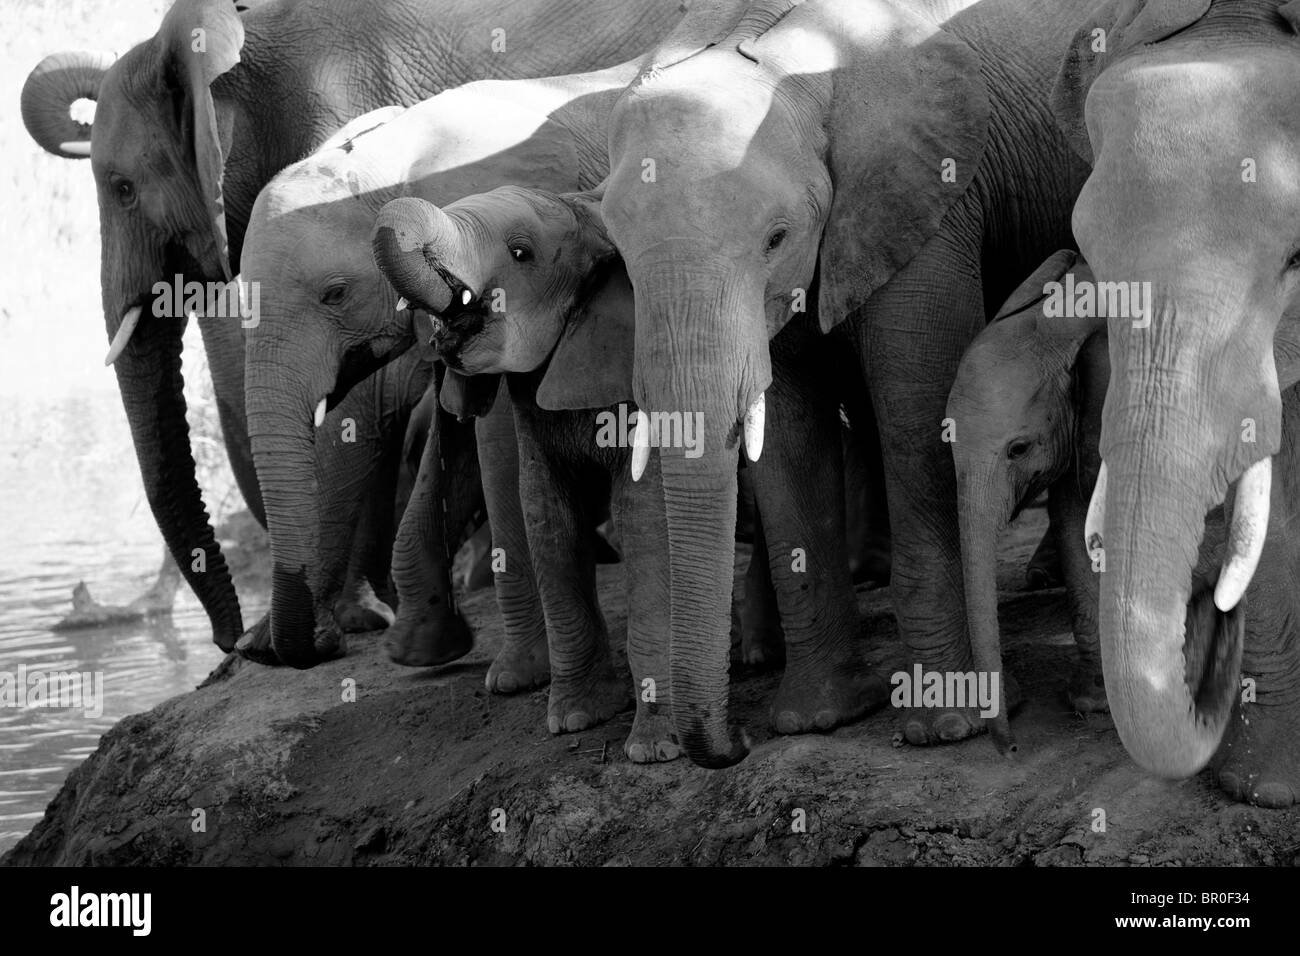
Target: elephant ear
x=591 y=366
x=908 y=123
x=199 y=41
x=1113 y=30
x=1032 y=290
x=468 y=396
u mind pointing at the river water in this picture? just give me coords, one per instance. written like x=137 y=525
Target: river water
x=72 y=509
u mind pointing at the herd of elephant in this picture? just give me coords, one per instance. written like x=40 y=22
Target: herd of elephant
x=745 y=224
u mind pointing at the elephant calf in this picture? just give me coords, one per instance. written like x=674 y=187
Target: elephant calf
x=524 y=283
x=1025 y=409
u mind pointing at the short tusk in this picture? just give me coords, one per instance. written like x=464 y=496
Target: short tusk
x=402 y=303
x=754 y=418
x=77 y=147
x=320 y=413
x=1096 y=520
x=1246 y=539
x=466 y=297
x=640 y=445
x=124 y=330
x=238 y=280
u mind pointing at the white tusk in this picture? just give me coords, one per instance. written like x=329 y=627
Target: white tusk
x=640 y=445
x=1096 y=520
x=1246 y=539
x=754 y=427
x=124 y=330
x=76 y=147
x=466 y=297
x=320 y=413
x=402 y=303
x=238 y=280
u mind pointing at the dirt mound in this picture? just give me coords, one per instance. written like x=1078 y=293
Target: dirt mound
x=425 y=767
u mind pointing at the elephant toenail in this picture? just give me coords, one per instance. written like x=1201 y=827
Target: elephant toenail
x=914 y=732
x=1231 y=784
x=1274 y=796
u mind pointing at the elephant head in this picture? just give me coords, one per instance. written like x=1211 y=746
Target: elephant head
x=157 y=153
x=1186 y=111
x=780 y=163
x=327 y=318
x=513 y=280
x=1015 y=410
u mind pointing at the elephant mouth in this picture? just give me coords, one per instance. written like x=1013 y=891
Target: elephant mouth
x=454 y=327
x=1212 y=646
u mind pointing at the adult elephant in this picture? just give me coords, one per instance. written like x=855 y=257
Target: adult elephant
x=899 y=161
x=329 y=318
x=1187 y=114
x=193 y=122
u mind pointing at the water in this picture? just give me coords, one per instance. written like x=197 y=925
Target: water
x=72 y=509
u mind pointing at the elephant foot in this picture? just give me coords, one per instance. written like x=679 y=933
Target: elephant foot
x=520 y=666
x=429 y=641
x=1259 y=759
x=1087 y=690
x=923 y=726
x=762 y=644
x=653 y=738
x=813 y=699
x=1044 y=568
x=577 y=705
x=363 y=611
x=255 y=644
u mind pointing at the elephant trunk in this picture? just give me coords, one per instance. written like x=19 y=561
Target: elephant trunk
x=1171 y=644
x=702 y=362
x=152 y=386
x=280 y=421
x=984 y=512
x=417 y=246
x=52 y=87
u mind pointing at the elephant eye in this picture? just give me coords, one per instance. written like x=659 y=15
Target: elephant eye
x=1018 y=448
x=520 y=252
x=124 y=192
x=774 y=240
x=334 y=295
x=1294 y=261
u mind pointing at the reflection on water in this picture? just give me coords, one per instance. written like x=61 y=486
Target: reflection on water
x=71 y=509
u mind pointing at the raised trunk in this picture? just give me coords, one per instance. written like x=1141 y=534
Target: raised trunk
x=984 y=514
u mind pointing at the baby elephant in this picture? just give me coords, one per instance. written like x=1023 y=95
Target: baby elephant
x=525 y=283
x=1025 y=411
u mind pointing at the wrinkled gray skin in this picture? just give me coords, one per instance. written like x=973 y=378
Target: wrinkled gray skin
x=1026 y=413
x=329 y=317
x=184 y=140
x=563 y=338
x=563 y=342
x=904 y=156
x=1189 y=121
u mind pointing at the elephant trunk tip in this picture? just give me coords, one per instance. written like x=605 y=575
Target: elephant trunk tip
x=712 y=754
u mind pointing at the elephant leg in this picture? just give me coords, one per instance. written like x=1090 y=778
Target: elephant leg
x=1067 y=505
x=866 y=507
x=428 y=630
x=799 y=488
x=1258 y=760
x=643 y=527
x=557 y=498
x=762 y=642
x=524 y=659
x=912 y=334
x=363 y=603
x=1046 y=565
